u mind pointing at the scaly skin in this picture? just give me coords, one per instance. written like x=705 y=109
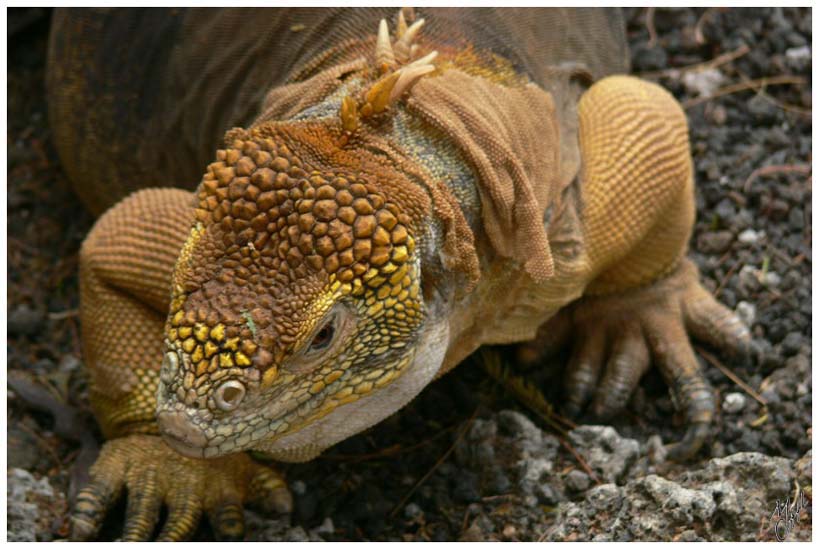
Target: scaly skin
x=309 y=299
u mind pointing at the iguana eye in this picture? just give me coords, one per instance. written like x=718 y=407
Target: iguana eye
x=324 y=336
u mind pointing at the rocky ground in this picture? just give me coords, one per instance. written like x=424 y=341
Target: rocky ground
x=464 y=461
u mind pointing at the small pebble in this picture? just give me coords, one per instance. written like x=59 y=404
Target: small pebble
x=412 y=511
x=771 y=280
x=749 y=277
x=25 y=321
x=656 y=449
x=747 y=313
x=69 y=363
x=718 y=116
x=326 y=528
x=791 y=343
x=799 y=59
x=796 y=220
x=704 y=82
x=715 y=242
x=750 y=236
x=733 y=403
x=578 y=481
x=298 y=487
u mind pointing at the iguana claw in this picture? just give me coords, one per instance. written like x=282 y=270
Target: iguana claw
x=617 y=337
x=154 y=475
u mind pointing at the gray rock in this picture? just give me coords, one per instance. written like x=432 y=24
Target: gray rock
x=577 y=481
x=298 y=534
x=527 y=458
x=660 y=504
x=25 y=321
x=745 y=487
x=607 y=453
x=264 y=528
x=690 y=535
x=466 y=486
x=606 y=498
x=724 y=500
x=656 y=450
x=803 y=469
x=279 y=529
x=545 y=494
x=32 y=506
x=530 y=438
x=733 y=403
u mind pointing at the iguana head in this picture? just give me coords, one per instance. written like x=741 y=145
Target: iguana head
x=297 y=292
x=298 y=313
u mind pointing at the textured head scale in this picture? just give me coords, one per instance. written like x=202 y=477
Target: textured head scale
x=290 y=238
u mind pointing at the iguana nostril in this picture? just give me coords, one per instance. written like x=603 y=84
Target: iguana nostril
x=229 y=395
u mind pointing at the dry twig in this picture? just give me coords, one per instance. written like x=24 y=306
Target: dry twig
x=438 y=463
x=60 y=315
x=726 y=278
x=699 y=38
x=580 y=460
x=731 y=376
x=650 y=26
x=748 y=85
x=803 y=169
x=711 y=64
x=786 y=106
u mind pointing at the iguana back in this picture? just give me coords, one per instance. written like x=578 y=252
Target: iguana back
x=143 y=97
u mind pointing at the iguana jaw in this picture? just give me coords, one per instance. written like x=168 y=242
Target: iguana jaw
x=326 y=425
x=308 y=441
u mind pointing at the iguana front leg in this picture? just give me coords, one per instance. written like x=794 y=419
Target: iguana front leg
x=643 y=295
x=126 y=265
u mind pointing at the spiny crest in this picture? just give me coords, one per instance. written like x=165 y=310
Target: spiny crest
x=385 y=59
x=396 y=81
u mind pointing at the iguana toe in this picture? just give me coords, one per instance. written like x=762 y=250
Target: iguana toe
x=583 y=370
x=628 y=362
x=713 y=323
x=183 y=518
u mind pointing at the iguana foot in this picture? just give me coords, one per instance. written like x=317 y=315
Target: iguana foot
x=154 y=475
x=616 y=337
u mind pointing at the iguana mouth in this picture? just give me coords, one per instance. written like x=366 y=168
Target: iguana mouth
x=181 y=434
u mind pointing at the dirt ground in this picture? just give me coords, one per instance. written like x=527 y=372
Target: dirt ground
x=744 y=79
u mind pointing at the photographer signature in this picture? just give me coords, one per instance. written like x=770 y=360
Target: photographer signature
x=788 y=515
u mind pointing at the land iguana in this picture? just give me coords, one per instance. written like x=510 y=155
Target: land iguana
x=384 y=191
